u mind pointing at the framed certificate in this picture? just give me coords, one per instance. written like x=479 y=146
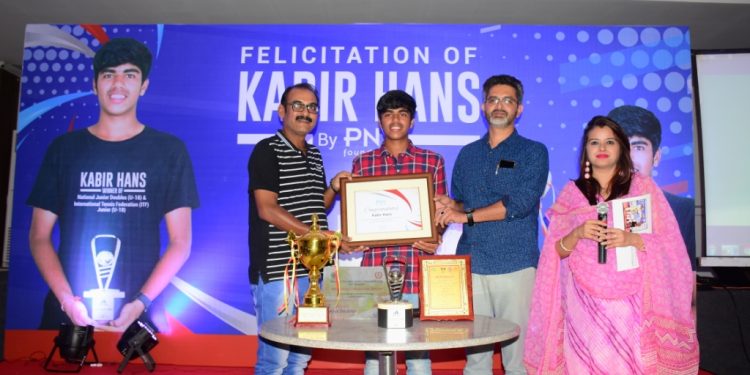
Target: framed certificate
x=445 y=288
x=388 y=210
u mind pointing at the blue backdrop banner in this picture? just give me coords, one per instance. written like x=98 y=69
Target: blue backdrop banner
x=217 y=88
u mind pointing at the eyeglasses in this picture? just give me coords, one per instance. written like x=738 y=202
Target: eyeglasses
x=506 y=100
x=298 y=106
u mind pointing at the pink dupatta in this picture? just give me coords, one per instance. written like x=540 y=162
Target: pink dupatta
x=668 y=338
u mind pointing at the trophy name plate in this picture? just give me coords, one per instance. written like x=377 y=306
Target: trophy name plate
x=308 y=315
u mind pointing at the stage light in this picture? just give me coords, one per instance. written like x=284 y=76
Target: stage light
x=138 y=338
x=74 y=343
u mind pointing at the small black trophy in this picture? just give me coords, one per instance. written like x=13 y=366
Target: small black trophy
x=395 y=313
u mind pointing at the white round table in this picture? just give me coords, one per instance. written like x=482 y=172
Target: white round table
x=365 y=335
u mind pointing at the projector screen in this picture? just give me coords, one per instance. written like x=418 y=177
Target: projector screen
x=722 y=91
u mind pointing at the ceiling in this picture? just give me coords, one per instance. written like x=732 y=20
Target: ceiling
x=714 y=24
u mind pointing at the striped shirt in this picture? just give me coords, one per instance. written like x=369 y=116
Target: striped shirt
x=380 y=162
x=299 y=180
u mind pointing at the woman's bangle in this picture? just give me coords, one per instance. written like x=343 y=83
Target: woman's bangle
x=562 y=246
x=330 y=183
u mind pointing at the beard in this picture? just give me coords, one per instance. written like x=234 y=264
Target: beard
x=500 y=122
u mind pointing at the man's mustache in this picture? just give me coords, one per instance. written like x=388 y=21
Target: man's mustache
x=303 y=117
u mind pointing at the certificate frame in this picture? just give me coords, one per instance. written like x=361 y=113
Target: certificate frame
x=367 y=221
x=445 y=291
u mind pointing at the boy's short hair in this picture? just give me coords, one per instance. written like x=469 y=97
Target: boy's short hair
x=123 y=51
x=395 y=99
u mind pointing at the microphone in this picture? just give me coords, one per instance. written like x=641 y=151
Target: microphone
x=602 y=210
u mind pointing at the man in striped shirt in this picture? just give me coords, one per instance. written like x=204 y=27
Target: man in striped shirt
x=396 y=156
x=287 y=186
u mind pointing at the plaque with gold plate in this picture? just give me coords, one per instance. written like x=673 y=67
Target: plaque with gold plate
x=445 y=288
x=314 y=249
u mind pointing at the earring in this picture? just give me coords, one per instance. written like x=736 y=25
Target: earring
x=587 y=170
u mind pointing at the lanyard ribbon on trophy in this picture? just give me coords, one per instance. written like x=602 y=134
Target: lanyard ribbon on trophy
x=105 y=261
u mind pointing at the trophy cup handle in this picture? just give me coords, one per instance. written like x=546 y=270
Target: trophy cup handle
x=334 y=244
x=293 y=245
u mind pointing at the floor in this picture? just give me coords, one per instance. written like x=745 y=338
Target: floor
x=34 y=367
x=722 y=317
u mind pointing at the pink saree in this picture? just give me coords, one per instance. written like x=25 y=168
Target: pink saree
x=588 y=318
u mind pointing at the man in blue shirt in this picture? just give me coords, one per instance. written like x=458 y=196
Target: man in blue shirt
x=497 y=183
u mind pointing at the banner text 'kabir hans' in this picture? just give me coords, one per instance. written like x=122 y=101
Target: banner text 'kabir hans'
x=444 y=95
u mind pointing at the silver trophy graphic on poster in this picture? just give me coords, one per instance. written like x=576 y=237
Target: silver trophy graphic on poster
x=105 y=248
x=395 y=313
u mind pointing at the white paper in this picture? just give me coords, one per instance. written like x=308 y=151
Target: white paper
x=395 y=210
x=627 y=258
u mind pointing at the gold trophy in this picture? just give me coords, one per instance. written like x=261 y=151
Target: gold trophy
x=314 y=250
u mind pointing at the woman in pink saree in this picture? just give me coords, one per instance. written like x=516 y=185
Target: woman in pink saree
x=590 y=318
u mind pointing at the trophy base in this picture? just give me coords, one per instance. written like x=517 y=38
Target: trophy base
x=397 y=314
x=103 y=303
x=313 y=316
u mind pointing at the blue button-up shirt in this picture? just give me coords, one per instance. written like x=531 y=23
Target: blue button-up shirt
x=515 y=171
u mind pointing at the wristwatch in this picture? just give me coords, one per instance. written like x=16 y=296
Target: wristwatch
x=144 y=299
x=470 y=217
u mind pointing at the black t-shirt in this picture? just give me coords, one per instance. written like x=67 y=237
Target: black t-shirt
x=110 y=198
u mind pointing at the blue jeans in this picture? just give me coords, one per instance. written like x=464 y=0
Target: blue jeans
x=417 y=362
x=274 y=358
